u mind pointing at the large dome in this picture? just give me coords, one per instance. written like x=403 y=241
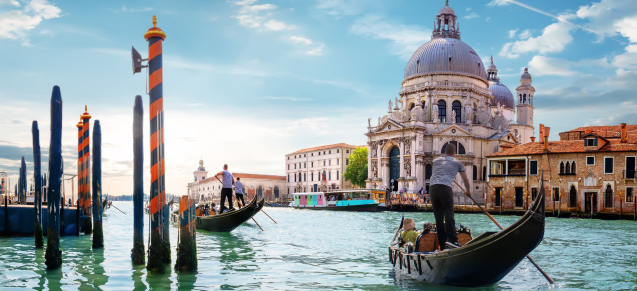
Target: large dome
x=502 y=94
x=445 y=55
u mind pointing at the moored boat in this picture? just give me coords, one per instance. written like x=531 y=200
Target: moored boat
x=484 y=260
x=339 y=200
x=229 y=220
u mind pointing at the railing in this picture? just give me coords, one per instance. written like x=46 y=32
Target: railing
x=445 y=84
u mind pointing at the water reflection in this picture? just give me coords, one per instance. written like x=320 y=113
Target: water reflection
x=97 y=278
x=138 y=273
x=186 y=280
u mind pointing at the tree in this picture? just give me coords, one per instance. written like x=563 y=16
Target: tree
x=356 y=171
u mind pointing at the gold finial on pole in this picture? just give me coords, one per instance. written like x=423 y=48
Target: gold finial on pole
x=154 y=21
x=85 y=108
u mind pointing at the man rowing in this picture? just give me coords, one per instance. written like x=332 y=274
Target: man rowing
x=445 y=169
x=238 y=191
x=226 y=188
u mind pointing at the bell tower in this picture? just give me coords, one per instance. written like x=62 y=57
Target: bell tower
x=201 y=173
x=525 y=94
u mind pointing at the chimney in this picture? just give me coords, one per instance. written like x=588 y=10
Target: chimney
x=532 y=139
x=546 y=131
x=541 y=133
x=623 y=133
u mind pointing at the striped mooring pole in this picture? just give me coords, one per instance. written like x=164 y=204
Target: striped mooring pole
x=159 y=249
x=53 y=255
x=187 y=249
x=80 y=168
x=86 y=170
x=37 y=176
x=137 y=253
x=98 y=234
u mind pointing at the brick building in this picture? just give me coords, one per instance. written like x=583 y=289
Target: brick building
x=590 y=169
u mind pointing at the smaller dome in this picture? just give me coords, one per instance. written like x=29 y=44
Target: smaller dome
x=526 y=74
x=446 y=10
x=501 y=94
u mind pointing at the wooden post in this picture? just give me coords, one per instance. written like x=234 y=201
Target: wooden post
x=98 y=232
x=53 y=255
x=37 y=176
x=23 y=182
x=186 y=251
x=137 y=253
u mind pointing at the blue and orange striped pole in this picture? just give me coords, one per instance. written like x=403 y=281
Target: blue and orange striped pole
x=80 y=172
x=159 y=249
x=186 y=251
x=86 y=171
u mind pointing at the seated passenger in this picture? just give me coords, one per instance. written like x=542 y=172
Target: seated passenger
x=409 y=234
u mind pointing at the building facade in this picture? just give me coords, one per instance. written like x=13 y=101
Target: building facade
x=589 y=170
x=318 y=168
x=270 y=186
x=447 y=97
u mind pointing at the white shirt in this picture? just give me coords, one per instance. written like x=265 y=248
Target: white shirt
x=226 y=180
x=238 y=187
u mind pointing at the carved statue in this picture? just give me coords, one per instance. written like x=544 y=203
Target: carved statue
x=468 y=112
x=417 y=114
x=389 y=108
x=407 y=146
x=369 y=122
x=434 y=113
x=408 y=167
x=470 y=125
x=453 y=116
x=396 y=107
x=379 y=121
x=375 y=168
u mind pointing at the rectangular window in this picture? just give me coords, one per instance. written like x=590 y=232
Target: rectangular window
x=498 y=196
x=337 y=175
x=312 y=176
x=295 y=166
x=556 y=194
x=323 y=152
x=347 y=151
x=329 y=174
x=312 y=154
x=608 y=165
x=346 y=162
x=304 y=155
x=329 y=152
x=497 y=168
x=319 y=153
x=630 y=168
x=517 y=167
x=312 y=164
x=338 y=151
x=288 y=158
x=533 y=167
x=294 y=177
x=590 y=161
x=337 y=162
x=590 y=142
x=304 y=177
x=288 y=166
x=329 y=162
x=630 y=194
x=323 y=163
x=304 y=165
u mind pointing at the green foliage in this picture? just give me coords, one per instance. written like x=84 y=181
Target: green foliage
x=357 y=169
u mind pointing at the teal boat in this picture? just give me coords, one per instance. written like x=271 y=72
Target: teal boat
x=339 y=200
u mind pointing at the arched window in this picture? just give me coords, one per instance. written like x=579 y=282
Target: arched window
x=608 y=198
x=567 y=170
x=573 y=170
x=475 y=173
x=324 y=176
x=572 y=197
x=561 y=167
x=457 y=108
x=412 y=106
x=423 y=103
x=427 y=171
x=475 y=113
x=442 y=110
x=459 y=148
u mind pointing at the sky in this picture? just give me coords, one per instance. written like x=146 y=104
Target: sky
x=248 y=81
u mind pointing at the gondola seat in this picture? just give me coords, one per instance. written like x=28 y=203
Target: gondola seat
x=427 y=242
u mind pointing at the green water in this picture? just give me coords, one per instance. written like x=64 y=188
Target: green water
x=319 y=250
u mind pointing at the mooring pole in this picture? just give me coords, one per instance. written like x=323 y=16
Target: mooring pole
x=37 y=176
x=86 y=161
x=98 y=233
x=160 y=238
x=23 y=182
x=80 y=170
x=53 y=256
x=137 y=253
x=186 y=257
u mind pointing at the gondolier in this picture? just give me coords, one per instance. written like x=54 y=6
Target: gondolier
x=238 y=190
x=226 y=188
x=445 y=169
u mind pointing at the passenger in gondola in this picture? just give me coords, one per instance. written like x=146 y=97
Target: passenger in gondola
x=445 y=169
x=409 y=235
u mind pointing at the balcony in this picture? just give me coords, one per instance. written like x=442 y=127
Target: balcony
x=629 y=175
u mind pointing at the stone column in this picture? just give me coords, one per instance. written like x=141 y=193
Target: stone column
x=413 y=184
x=385 y=171
x=370 y=148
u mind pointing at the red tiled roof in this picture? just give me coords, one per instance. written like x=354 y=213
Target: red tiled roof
x=337 y=145
x=607 y=131
x=569 y=146
x=246 y=175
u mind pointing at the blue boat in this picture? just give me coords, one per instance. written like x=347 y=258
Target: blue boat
x=339 y=200
x=22 y=220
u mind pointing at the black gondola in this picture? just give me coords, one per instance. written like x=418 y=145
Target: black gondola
x=229 y=220
x=482 y=261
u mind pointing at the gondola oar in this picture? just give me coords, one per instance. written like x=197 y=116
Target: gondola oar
x=548 y=278
x=398 y=230
x=118 y=209
x=235 y=197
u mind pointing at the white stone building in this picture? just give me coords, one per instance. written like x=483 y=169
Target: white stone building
x=271 y=186
x=447 y=96
x=305 y=168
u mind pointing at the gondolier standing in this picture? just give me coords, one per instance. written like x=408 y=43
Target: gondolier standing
x=226 y=188
x=445 y=169
x=238 y=190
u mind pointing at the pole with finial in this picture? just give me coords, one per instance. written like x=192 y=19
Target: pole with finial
x=86 y=162
x=159 y=249
x=80 y=166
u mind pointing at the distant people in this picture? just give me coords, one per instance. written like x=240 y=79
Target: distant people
x=238 y=190
x=226 y=188
x=409 y=234
x=420 y=191
x=445 y=169
x=201 y=197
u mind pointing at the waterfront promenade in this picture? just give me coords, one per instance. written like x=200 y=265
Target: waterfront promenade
x=343 y=251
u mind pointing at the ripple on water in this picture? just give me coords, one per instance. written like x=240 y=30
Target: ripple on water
x=318 y=250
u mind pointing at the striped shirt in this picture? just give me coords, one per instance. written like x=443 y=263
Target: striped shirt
x=445 y=169
x=226 y=180
x=238 y=187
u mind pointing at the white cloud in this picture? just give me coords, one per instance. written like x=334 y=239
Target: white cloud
x=541 y=66
x=525 y=34
x=300 y=39
x=343 y=7
x=249 y=16
x=512 y=33
x=276 y=25
x=317 y=51
x=554 y=39
x=10 y=2
x=405 y=39
x=468 y=9
x=14 y=24
x=471 y=16
x=487 y=19
x=132 y=10
x=498 y=3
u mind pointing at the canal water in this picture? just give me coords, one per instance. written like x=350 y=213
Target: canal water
x=319 y=250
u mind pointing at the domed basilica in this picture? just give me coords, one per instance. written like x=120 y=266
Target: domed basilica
x=447 y=96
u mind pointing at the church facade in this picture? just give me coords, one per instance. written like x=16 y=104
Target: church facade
x=447 y=96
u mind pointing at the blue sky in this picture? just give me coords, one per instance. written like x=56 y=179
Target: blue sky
x=246 y=82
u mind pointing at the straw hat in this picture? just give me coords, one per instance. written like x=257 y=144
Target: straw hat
x=409 y=224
